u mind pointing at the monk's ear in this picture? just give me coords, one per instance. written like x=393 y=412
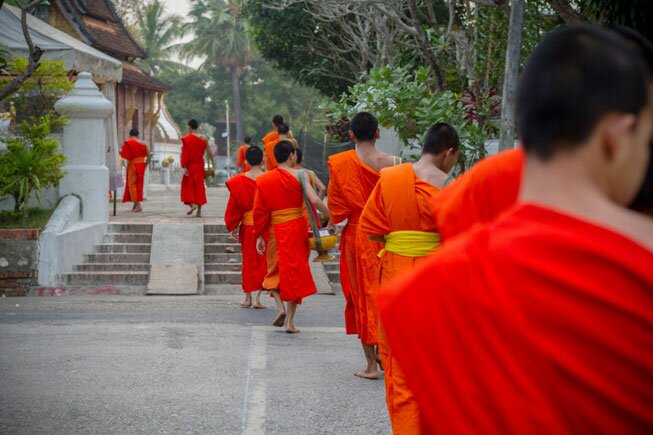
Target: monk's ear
x=618 y=133
x=352 y=136
x=377 y=135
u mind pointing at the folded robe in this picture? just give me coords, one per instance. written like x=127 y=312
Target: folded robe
x=537 y=323
x=399 y=202
x=193 y=190
x=242 y=190
x=351 y=184
x=279 y=192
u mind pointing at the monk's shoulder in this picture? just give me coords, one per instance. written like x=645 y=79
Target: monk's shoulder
x=343 y=158
x=396 y=171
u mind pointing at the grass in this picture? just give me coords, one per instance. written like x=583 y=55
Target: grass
x=38 y=218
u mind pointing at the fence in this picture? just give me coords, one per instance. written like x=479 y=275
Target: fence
x=316 y=153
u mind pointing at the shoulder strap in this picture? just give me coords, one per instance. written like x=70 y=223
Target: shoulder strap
x=311 y=217
x=396 y=160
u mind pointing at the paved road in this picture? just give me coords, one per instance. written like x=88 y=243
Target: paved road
x=133 y=364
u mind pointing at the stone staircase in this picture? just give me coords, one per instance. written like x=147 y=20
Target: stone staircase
x=222 y=257
x=122 y=259
x=333 y=268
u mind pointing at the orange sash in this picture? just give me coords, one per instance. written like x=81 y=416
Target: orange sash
x=248 y=218
x=287 y=215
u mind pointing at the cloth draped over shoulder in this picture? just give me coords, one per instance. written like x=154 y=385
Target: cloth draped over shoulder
x=135 y=152
x=193 y=190
x=239 y=212
x=351 y=184
x=543 y=343
x=242 y=160
x=278 y=204
x=399 y=209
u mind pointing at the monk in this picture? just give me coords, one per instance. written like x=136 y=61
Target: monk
x=315 y=181
x=243 y=166
x=193 y=191
x=239 y=216
x=542 y=321
x=279 y=204
x=398 y=215
x=353 y=177
x=284 y=135
x=273 y=136
x=136 y=152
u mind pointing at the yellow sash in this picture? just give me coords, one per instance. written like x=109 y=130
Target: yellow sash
x=248 y=218
x=287 y=215
x=411 y=243
x=137 y=160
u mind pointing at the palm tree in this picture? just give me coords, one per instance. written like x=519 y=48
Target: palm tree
x=158 y=31
x=221 y=37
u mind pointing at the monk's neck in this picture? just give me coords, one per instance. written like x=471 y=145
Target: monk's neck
x=286 y=165
x=254 y=172
x=366 y=147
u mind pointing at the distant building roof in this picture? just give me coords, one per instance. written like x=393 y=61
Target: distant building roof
x=133 y=75
x=167 y=130
x=98 y=23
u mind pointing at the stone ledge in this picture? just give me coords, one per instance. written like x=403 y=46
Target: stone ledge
x=19 y=234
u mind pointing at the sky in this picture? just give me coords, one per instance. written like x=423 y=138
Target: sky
x=180 y=7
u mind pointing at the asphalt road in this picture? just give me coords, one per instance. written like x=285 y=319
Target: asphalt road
x=202 y=364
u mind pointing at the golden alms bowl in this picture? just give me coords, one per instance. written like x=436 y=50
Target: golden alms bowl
x=328 y=242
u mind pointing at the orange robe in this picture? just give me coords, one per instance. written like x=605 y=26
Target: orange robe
x=192 y=158
x=242 y=190
x=279 y=193
x=351 y=184
x=135 y=152
x=268 y=151
x=273 y=137
x=399 y=202
x=242 y=160
x=481 y=194
x=539 y=322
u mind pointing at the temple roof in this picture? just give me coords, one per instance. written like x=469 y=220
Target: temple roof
x=98 y=23
x=134 y=75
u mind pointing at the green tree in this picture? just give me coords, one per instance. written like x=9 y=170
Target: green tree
x=221 y=37
x=158 y=32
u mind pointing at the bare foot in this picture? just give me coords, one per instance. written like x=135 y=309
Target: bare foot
x=292 y=330
x=192 y=209
x=280 y=320
x=245 y=304
x=138 y=209
x=258 y=306
x=199 y=215
x=367 y=375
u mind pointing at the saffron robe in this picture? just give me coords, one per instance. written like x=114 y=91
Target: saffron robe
x=539 y=322
x=268 y=152
x=242 y=160
x=135 y=152
x=351 y=184
x=399 y=202
x=273 y=137
x=278 y=190
x=242 y=190
x=192 y=158
x=481 y=194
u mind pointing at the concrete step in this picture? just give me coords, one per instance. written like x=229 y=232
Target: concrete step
x=128 y=238
x=223 y=258
x=116 y=258
x=220 y=248
x=333 y=276
x=219 y=238
x=130 y=228
x=222 y=267
x=222 y=278
x=331 y=267
x=214 y=229
x=131 y=278
x=123 y=248
x=112 y=267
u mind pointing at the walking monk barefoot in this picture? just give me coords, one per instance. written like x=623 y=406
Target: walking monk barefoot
x=240 y=214
x=279 y=204
x=242 y=164
x=353 y=176
x=398 y=215
x=137 y=153
x=541 y=320
x=193 y=192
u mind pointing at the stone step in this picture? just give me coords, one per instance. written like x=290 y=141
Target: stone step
x=222 y=278
x=331 y=267
x=112 y=267
x=220 y=248
x=130 y=228
x=214 y=229
x=116 y=258
x=223 y=258
x=128 y=238
x=131 y=278
x=333 y=276
x=123 y=248
x=222 y=267
x=219 y=238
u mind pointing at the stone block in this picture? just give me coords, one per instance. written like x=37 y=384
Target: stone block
x=173 y=279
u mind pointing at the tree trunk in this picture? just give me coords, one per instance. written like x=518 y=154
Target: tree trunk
x=235 y=89
x=25 y=204
x=507 y=137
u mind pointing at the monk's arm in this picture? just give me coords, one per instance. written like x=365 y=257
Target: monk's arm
x=321 y=188
x=184 y=155
x=316 y=201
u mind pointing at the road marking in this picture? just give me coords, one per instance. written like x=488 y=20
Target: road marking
x=255 y=403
